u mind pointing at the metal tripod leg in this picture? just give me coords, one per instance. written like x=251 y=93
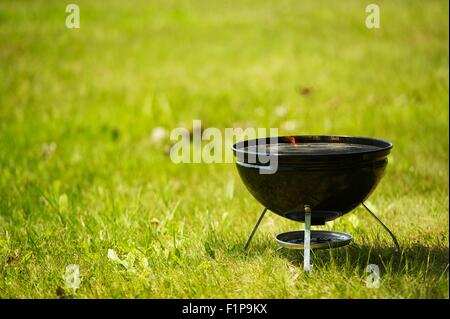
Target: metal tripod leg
x=307 y=241
x=394 y=239
x=255 y=228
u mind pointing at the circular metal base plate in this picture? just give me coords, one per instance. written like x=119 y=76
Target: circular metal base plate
x=320 y=239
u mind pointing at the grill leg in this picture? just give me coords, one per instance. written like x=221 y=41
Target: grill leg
x=255 y=228
x=307 y=241
x=394 y=239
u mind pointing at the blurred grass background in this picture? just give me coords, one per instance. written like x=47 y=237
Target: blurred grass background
x=80 y=172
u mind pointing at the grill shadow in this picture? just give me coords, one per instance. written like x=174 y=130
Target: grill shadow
x=414 y=259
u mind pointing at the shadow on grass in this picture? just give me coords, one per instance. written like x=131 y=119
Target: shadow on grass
x=413 y=259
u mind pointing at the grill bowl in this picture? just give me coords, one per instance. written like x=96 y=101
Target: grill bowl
x=331 y=183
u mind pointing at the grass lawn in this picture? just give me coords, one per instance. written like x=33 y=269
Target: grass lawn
x=81 y=173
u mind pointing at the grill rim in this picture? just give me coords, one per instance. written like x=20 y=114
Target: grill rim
x=382 y=145
x=311 y=159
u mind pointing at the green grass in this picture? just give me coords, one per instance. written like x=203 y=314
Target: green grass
x=79 y=173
